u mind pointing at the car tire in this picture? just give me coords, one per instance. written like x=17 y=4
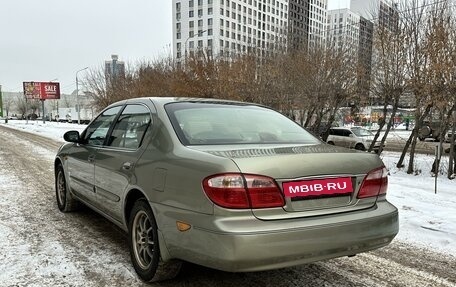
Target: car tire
x=331 y=143
x=144 y=246
x=65 y=200
x=360 y=147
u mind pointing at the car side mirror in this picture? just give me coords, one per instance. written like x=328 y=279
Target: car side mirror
x=72 y=137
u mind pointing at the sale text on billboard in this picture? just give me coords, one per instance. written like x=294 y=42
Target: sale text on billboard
x=41 y=90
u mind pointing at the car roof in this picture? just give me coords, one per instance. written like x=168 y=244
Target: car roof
x=340 y=128
x=162 y=101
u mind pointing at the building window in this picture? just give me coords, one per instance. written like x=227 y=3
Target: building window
x=178 y=35
x=191 y=34
x=200 y=2
x=178 y=16
x=209 y=22
x=178 y=6
x=200 y=23
x=190 y=14
x=209 y=11
x=200 y=12
x=190 y=3
x=191 y=44
x=191 y=24
x=209 y=32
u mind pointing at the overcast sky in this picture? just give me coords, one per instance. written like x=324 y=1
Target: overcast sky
x=52 y=39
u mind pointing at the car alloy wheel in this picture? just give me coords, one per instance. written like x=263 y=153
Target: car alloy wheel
x=65 y=200
x=61 y=189
x=144 y=246
x=143 y=240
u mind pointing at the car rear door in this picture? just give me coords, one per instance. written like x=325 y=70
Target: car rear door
x=339 y=139
x=347 y=140
x=115 y=162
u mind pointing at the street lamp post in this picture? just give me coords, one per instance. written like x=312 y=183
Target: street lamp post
x=199 y=34
x=77 y=94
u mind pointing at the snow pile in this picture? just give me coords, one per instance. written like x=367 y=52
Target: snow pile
x=426 y=219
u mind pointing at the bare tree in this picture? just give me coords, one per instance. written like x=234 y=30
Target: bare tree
x=415 y=26
x=389 y=77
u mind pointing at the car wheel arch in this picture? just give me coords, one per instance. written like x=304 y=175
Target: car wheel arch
x=57 y=162
x=132 y=196
x=360 y=146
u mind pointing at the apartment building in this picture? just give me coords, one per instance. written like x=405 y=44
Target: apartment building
x=307 y=23
x=230 y=27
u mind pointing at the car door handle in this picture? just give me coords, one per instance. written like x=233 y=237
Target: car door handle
x=126 y=165
x=91 y=158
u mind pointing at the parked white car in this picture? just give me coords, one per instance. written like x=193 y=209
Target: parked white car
x=352 y=137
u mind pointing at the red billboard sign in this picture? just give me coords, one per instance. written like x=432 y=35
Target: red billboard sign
x=42 y=90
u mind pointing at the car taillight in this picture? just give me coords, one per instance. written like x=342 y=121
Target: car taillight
x=374 y=184
x=233 y=190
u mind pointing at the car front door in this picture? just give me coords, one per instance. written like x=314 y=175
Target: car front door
x=81 y=160
x=115 y=164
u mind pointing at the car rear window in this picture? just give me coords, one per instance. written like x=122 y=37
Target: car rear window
x=361 y=132
x=199 y=123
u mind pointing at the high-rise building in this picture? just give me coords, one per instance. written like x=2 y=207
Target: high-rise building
x=230 y=27
x=382 y=12
x=379 y=14
x=343 y=29
x=114 y=69
x=307 y=23
x=351 y=33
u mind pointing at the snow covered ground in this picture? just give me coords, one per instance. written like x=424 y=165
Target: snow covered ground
x=426 y=219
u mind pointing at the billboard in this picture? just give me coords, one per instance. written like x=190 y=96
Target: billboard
x=41 y=90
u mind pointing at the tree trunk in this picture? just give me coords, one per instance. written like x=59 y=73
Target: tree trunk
x=452 y=162
x=418 y=123
x=412 y=154
x=380 y=127
x=390 y=124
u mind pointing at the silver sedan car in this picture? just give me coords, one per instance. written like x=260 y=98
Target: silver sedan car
x=229 y=185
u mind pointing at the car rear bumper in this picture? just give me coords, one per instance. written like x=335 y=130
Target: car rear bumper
x=284 y=243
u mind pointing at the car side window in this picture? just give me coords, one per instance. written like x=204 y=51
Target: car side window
x=130 y=127
x=337 y=132
x=96 y=132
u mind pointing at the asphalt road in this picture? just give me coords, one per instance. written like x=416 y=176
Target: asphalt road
x=43 y=247
x=423 y=147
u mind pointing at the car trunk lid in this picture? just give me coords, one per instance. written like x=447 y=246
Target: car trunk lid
x=315 y=180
